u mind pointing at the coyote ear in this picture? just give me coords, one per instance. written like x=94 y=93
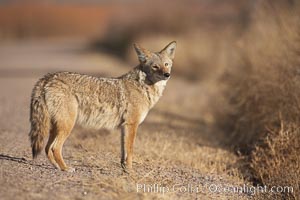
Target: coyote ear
x=170 y=49
x=143 y=54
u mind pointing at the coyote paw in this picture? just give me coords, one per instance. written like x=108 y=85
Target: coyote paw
x=69 y=169
x=127 y=169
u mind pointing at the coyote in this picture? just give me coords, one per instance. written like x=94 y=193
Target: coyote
x=61 y=100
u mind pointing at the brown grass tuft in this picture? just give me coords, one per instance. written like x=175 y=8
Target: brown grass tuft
x=275 y=161
x=264 y=96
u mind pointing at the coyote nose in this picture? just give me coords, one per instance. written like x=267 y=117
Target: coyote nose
x=167 y=75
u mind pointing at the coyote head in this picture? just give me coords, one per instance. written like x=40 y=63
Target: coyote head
x=156 y=65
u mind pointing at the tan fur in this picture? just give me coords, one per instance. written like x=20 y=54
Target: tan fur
x=61 y=100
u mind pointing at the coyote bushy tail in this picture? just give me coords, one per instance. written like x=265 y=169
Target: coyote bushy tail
x=39 y=118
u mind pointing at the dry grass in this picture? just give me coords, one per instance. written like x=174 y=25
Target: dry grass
x=264 y=97
x=275 y=161
x=247 y=58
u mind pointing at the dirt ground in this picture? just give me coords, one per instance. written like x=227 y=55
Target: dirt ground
x=178 y=155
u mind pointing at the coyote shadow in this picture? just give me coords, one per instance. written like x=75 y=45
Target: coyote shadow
x=22 y=160
x=11 y=158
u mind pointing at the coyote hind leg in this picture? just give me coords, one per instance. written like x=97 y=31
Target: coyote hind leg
x=63 y=130
x=63 y=123
x=49 y=146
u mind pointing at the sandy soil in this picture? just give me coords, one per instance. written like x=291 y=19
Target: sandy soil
x=175 y=148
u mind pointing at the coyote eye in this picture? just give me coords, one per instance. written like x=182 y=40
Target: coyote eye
x=155 y=67
x=166 y=64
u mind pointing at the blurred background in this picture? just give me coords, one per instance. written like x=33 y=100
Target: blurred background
x=206 y=30
x=236 y=69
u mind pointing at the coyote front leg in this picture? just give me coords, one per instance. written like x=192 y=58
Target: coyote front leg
x=127 y=142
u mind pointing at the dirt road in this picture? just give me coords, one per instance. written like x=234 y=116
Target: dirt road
x=177 y=153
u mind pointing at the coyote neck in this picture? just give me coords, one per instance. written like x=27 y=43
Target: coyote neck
x=152 y=90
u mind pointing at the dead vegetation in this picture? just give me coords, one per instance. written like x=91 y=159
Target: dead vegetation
x=244 y=56
x=265 y=98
